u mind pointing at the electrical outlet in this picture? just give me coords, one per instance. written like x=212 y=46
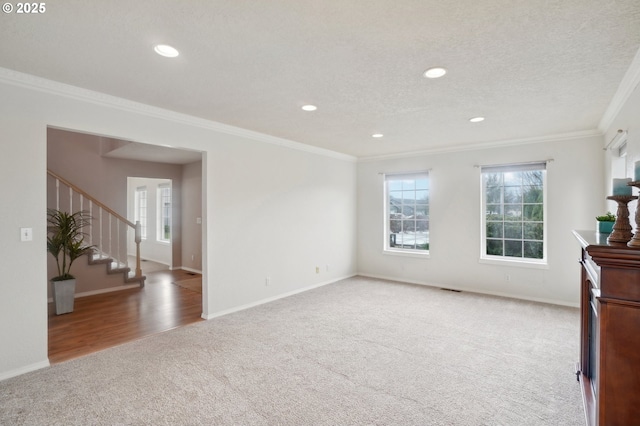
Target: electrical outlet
x=267 y=281
x=507 y=277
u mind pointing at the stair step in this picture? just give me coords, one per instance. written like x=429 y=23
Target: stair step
x=114 y=267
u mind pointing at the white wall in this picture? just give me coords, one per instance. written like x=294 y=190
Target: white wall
x=574 y=181
x=269 y=209
x=192 y=217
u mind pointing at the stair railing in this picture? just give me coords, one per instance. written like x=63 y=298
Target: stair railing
x=108 y=241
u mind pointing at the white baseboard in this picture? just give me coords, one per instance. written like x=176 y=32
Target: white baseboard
x=271 y=299
x=474 y=290
x=23 y=370
x=195 y=271
x=102 y=290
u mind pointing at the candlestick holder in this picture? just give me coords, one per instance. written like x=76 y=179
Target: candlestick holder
x=635 y=241
x=621 y=228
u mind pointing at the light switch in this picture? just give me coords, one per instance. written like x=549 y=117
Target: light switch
x=199 y=220
x=26 y=234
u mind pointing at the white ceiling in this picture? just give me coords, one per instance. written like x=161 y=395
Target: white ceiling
x=533 y=68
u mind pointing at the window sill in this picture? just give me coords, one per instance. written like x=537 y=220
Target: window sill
x=406 y=253
x=515 y=262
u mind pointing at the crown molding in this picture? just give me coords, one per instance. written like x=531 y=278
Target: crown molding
x=40 y=84
x=486 y=145
x=628 y=84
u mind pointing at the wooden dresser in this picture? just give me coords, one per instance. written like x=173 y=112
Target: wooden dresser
x=609 y=367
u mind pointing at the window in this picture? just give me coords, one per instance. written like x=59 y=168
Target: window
x=164 y=213
x=407 y=213
x=140 y=207
x=513 y=217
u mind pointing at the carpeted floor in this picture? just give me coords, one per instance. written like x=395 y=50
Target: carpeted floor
x=356 y=352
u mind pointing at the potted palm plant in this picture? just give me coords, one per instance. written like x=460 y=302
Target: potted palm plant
x=65 y=241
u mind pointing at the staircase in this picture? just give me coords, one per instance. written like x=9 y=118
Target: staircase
x=113 y=267
x=112 y=235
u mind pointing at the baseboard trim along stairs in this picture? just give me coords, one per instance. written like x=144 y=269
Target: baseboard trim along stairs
x=114 y=267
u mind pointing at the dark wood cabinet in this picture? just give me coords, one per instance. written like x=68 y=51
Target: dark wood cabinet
x=609 y=365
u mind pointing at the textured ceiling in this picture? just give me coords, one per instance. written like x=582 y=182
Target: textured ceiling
x=533 y=68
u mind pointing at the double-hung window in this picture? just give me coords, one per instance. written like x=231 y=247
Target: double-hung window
x=140 y=210
x=164 y=213
x=407 y=213
x=514 y=212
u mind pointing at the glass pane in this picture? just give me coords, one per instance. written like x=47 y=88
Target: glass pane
x=532 y=178
x=422 y=197
x=533 y=231
x=395 y=197
x=513 y=212
x=422 y=212
x=422 y=226
x=408 y=226
x=513 y=194
x=532 y=194
x=513 y=179
x=494 y=212
x=493 y=195
x=513 y=230
x=395 y=226
x=494 y=247
x=408 y=211
x=494 y=230
x=533 y=212
x=409 y=197
x=409 y=185
x=492 y=179
x=422 y=183
x=513 y=248
x=533 y=249
x=394 y=185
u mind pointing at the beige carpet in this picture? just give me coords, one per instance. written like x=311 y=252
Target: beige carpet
x=358 y=352
x=193 y=284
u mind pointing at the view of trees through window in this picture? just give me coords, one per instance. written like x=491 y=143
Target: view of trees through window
x=408 y=211
x=514 y=202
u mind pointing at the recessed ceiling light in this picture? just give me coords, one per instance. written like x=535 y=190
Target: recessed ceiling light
x=436 y=72
x=309 y=107
x=476 y=119
x=166 y=50
x=377 y=135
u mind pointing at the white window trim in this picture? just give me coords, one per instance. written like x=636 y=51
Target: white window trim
x=513 y=261
x=391 y=251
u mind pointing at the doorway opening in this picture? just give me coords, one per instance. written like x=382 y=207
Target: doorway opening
x=108 y=314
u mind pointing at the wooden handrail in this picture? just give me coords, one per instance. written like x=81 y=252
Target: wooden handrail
x=135 y=226
x=93 y=200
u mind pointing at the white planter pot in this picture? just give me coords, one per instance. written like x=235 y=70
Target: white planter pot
x=64 y=293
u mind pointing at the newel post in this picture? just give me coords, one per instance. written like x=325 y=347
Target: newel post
x=138 y=238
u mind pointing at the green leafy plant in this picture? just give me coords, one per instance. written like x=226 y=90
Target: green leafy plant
x=609 y=217
x=65 y=240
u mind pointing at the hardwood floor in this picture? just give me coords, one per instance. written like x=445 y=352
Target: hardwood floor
x=102 y=321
